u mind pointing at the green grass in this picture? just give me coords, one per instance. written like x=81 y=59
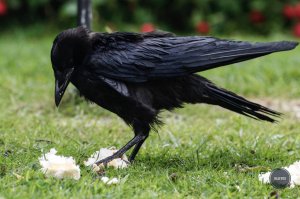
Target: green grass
x=203 y=145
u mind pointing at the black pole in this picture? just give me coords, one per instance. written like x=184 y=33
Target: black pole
x=84 y=13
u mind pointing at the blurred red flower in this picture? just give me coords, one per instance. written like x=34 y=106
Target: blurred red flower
x=296 y=30
x=3 y=7
x=147 y=27
x=256 y=17
x=203 y=27
x=297 y=10
x=289 y=11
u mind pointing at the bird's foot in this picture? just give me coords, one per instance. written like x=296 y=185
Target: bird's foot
x=108 y=159
x=136 y=140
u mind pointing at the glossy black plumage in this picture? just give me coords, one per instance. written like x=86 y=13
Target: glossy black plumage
x=137 y=75
x=141 y=59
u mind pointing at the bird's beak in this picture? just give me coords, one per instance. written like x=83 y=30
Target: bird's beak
x=62 y=81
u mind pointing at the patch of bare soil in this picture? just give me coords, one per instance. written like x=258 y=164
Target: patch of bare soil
x=285 y=106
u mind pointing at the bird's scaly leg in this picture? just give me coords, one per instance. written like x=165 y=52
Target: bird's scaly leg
x=143 y=129
x=136 y=149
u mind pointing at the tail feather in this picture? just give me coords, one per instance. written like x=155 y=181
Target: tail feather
x=233 y=102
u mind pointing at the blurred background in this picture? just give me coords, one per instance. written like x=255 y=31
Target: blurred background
x=259 y=17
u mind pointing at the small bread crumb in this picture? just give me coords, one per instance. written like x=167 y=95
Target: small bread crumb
x=105 y=179
x=113 y=181
x=264 y=177
x=59 y=166
x=108 y=181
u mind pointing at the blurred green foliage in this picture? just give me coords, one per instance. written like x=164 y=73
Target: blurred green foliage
x=223 y=17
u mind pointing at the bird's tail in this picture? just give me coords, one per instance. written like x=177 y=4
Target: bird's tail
x=233 y=102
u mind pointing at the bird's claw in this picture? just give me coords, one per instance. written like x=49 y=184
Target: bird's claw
x=108 y=159
x=105 y=161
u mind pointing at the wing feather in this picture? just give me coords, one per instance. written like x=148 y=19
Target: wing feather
x=135 y=57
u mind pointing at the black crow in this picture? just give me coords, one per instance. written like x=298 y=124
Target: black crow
x=136 y=75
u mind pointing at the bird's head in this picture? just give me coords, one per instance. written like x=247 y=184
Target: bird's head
x=68 y=52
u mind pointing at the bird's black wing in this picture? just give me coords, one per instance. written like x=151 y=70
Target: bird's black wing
x=133 y=57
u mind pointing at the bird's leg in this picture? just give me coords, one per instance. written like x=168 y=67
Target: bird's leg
x=137 y=139
x=140 y=128
x=141 y=132
x=136 y=149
